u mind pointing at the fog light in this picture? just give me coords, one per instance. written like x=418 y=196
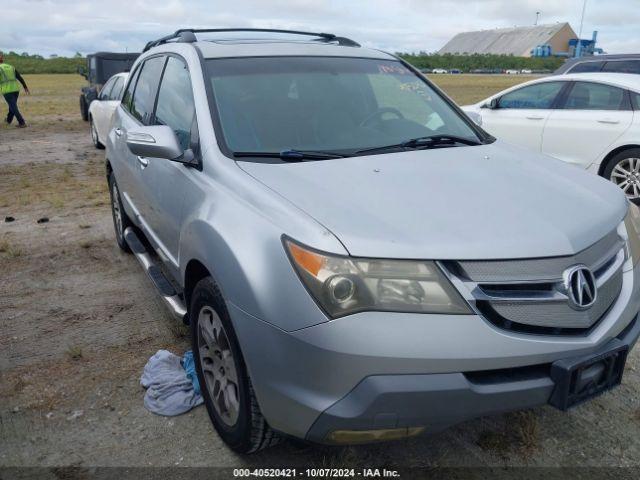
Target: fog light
x=367 y=436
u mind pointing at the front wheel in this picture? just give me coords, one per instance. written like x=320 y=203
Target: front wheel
x=225 y=384
x=624 y=170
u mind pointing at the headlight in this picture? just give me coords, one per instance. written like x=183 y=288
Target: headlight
x=345 y=285
x=632 y=225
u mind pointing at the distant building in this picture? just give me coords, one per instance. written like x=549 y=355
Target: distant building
x=517 y=41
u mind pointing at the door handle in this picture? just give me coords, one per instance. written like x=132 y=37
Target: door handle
x=118 y=132
x=142 y=161
x=534 y=117
x=608 y=120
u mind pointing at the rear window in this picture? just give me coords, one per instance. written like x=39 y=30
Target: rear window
x=585 y=67
x=595 y=96
x=622 y=66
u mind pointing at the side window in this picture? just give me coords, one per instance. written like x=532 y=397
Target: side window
x=635 y=100
x=176 y=107
x=144 y=95
x=585 y=67
x=622 y=66
x=106 y=89
x=128 y=94
x=116 y=91
x=538 y=96
x=595 y=96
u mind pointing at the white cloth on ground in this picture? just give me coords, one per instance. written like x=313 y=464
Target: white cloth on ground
x=169 y=391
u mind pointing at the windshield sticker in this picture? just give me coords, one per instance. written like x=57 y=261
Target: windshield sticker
x=394 y=69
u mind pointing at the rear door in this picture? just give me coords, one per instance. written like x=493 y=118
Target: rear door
x=521 y=114
x=165 y=181
x=590 y=118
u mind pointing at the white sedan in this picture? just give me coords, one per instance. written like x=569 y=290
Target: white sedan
x=101 y=110
x=591 y=120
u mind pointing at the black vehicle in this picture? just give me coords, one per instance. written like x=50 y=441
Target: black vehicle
x=621 y=63
x=101 y=66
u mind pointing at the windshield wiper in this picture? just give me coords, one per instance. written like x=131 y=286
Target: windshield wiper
x=424 y=142
x=292 y=155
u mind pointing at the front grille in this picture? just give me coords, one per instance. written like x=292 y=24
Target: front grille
x=529 y=295
x=537 y=269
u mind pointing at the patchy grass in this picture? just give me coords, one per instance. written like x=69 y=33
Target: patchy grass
x=520 y=435
x=8 y=249
x=53 y=99
x=466 y=89
x=55 y=185
x=74 y=352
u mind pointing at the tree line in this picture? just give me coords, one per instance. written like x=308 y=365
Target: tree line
x=467 y=63
x=26 y=63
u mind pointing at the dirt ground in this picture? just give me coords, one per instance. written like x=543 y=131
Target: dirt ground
x=79 y=319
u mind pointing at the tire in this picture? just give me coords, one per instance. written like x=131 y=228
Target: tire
x=623 y=169
x=84 y=108
x=235 y=415
x=120 y=219
x=94 y=135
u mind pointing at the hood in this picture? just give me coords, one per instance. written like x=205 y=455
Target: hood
x=493 y=201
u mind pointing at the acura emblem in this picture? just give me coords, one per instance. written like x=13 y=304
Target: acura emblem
x=581 y=288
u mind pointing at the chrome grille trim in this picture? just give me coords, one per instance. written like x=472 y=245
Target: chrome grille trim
x=534 y=295
x=540 y=269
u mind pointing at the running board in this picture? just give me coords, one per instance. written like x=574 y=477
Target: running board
x=167 y=292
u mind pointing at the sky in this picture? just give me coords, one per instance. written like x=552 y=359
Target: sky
x=64 y=27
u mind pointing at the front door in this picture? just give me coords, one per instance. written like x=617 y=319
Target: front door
x=521 y=114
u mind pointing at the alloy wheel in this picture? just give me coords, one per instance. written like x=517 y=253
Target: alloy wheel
x=218 y=366
x=626 y=174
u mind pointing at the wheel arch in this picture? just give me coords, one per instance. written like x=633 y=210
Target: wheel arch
x=194 y=272
x=613 y=153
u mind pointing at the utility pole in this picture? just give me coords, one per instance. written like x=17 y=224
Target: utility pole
x=578 y=53
x=537 y=18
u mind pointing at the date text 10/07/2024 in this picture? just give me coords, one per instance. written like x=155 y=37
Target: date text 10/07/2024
x=316 y=473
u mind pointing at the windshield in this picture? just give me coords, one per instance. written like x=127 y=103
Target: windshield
x=326 y=104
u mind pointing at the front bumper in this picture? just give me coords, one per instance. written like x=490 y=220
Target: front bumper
x=372 y=370
x=440 y=400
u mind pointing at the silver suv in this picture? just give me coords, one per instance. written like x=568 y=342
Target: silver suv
x=357 y=260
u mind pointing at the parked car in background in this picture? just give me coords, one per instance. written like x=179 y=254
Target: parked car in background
x=455 y=71
x=357 y=260
x=591 y=120
x=101 y=109
x=623 y=63
x=440 y=70
x=512 y=71
x=526 y=71
x=101 y=66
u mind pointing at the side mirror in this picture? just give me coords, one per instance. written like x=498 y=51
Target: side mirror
x=476 y=117
x=492 y=104
x=158 y=141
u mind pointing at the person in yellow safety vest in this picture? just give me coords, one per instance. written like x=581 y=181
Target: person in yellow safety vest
x=10 y=90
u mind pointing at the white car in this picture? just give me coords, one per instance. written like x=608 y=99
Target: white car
x=101 y=110
x=591 y=120
x=440 y=70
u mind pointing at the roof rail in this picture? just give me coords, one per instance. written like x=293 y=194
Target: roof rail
x=187 y=35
